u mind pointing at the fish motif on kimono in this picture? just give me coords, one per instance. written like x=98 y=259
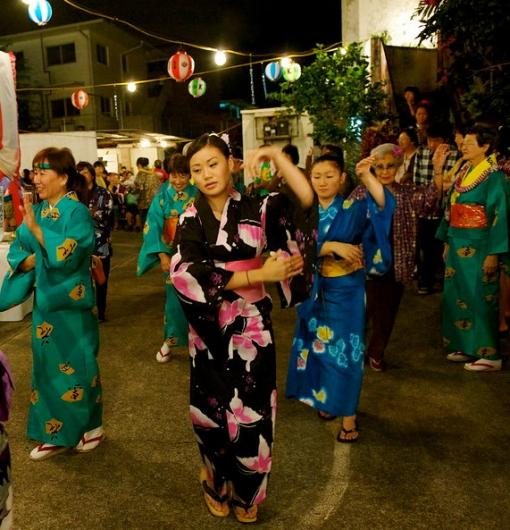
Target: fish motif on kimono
x=66 y=368
x=466 y=252
x=461 y=304
x=463 y=324
x=78 y=293
x=66 y=249
x=260 y=463
x=486 y=351
x=34 y=397
x=74 y=394
x=53 y=426
x=52 y=213
x=43 y=331
x=449 y=272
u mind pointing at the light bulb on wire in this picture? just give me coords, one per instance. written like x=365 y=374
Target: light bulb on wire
x=131 y=87
x=285 y=62
x=220 y=57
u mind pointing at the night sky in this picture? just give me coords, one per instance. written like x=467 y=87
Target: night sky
x=253 y=26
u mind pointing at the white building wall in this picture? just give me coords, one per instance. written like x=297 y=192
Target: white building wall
x=363 y=18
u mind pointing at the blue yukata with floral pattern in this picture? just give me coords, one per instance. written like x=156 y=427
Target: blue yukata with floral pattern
x=326 y=363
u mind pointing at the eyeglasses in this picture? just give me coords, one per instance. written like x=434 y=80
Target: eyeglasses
x=381 y=167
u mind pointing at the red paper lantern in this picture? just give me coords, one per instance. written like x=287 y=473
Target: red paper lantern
x=80 y=99
x=181 y=66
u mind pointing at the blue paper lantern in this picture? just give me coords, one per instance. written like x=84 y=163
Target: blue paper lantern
x=273 y=71
x=40 y=11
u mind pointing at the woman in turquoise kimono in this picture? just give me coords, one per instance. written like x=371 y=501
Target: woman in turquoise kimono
x=56 y=241
x=326 y=364
x=475 y=232
x=158 y=247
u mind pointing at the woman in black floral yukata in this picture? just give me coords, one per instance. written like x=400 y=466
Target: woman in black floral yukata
x=219 y=275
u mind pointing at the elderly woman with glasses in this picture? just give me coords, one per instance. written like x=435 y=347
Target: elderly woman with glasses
x=475 y=232
x=384 y=292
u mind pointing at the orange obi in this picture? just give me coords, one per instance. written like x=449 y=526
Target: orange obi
x=468 y=216
x=257 y=291
x=169 y=229
x=332 y=268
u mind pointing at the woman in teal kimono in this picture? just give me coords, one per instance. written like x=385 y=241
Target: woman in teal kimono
x=326 y=364
x=475 y=232
x=158 y=241
x=56 y=241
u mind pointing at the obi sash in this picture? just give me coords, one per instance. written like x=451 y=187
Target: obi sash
x=332 y=268
x=252 y=293
x=468 y=216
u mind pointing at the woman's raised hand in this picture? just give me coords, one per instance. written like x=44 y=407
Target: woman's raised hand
x=255 y=158
x=363 y=167
x=278 y=267
x=28 y=213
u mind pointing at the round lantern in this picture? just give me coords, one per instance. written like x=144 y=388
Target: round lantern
x=197 y=87
x=80 y=99
x=40 y=11
x=273 y=71
x=181 y=66
x=292 y=72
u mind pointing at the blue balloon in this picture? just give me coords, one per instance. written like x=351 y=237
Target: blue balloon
x=273 y=71
x=40 y=12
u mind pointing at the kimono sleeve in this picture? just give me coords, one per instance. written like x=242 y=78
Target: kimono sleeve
x=153 y=243
x=21 y=248
x=195 y=277
x=497 y=214
x=292 y=229
x=376 y=237
x=66 y=250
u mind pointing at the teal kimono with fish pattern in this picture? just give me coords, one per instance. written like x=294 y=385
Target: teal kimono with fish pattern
x=66 y=398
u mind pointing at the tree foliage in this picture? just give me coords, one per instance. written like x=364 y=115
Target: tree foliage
x=472 y=37
x=336 y=92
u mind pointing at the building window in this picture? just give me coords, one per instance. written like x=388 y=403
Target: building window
x=63 y=108
x=106 y=107
x=102 y=54
x=62 y=54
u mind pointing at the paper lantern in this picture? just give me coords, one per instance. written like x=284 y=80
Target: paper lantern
x=197 y=87
x=80 y=99
x=40 y=11
x=273 y=71
x=292 y=72
x=181 y=66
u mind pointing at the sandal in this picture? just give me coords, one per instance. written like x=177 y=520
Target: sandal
x=44 y=451
x=326 y=416
x=343 y=432
x=246 y=515
x=217 y=506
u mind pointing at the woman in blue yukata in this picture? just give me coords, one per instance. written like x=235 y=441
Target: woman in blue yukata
x=326 y=364
x=219 y=275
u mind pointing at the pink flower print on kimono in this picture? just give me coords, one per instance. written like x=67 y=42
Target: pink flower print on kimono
x=187 y=284
x=261 y=493
x=244 y=345
x=240 y=415
x=260 y=463
x=199 y=419
x=194 y=342
x=252 y=235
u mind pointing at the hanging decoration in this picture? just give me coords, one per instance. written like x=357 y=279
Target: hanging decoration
x=273 y=71
x=252 y=83
x=264 y=87
x=80 y=99
x=181 y=66
x=292 y=72
x=40 y=12
x=197 y=87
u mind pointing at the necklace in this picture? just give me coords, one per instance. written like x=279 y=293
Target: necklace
x=459 y=188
